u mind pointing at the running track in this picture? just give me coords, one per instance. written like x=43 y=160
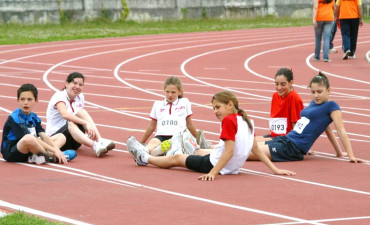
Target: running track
x=125 y=76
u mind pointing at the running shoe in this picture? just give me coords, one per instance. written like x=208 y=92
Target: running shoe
x=176 y=145
x=99 y=149
x=189 y=142
x=346 y=54
x=327 y=60
x=333 y=50
x=165 y=145
x=202 y=141
x=137 y=150
x=40 y=158
x=69 y=154
x=108 y=144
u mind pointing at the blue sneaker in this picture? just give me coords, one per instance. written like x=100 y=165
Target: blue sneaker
x=69 y=154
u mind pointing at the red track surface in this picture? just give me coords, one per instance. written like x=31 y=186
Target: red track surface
x=125 y=75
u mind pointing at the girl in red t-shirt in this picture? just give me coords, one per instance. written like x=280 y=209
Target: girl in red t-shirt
x=286 y=105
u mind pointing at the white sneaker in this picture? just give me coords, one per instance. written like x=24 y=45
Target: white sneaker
x=352 y=57
x=40 y=158
x=108 y=144
x=333 y=50
x=346 y=54
x=202 y=141
x=137 y=150
x=99 y=149
x=176 y=145
x=189 y=142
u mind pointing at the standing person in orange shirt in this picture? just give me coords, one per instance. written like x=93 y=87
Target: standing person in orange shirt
x=350 y=15
x=323 y=19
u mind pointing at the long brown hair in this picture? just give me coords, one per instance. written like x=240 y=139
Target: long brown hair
x=225 y=97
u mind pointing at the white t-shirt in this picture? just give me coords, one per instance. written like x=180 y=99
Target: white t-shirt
x=234 y=128
x=171 y=118
x=54 y=120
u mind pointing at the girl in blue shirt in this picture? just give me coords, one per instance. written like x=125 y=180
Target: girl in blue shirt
x=315 y=119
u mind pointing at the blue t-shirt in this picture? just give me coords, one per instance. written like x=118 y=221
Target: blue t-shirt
x=16 y=126
x=314 y=121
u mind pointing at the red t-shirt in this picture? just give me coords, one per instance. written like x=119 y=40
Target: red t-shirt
x=284 y=112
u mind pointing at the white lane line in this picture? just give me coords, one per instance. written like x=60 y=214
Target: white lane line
x=41 y=213
x=304 y=181
x=328 y=220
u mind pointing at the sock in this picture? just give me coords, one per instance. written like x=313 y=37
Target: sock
x=145 y=158
x=157 y=151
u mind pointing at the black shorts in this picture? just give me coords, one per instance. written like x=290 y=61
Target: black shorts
x=70 y=142
x=283 y=150
x=163 y=138
x=14 y=155
x=199 y=163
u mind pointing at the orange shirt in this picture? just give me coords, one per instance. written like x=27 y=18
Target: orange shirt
x=325 y=12
x=349 y=9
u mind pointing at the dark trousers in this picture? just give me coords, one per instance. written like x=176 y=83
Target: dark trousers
x=349 y=30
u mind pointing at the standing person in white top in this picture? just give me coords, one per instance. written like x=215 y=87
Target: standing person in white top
x=66 y=114
x=169 y=117
x=227 y=157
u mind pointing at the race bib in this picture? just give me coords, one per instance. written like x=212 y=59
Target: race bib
x=278 y=125
x=170 y=124
x=301 y=124
x=32 y=131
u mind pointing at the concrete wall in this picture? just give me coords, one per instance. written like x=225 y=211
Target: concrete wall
x=53 y=11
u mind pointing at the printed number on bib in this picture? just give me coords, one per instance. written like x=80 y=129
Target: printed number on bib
x=278 y=125
x=166 y=123
x=301 y=124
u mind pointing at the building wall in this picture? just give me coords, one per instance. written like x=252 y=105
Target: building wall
x=54 y=11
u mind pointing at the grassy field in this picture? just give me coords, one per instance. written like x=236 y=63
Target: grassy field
x=20 y=218
x=24 y=34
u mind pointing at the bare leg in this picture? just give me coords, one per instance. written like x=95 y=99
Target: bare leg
x=262 y=139
x=168 y=161
x=59 y=140
x=30 y=144
x=264 y=148
x=202 y=152
x=152 y=144
x=78 y=135
x=83 y=114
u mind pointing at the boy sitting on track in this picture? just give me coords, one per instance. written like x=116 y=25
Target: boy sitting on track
x=25 y=139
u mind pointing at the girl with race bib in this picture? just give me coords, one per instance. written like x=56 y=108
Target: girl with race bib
x=228 y=156
x=169 y=116
x=286 y=106
x=315 y=119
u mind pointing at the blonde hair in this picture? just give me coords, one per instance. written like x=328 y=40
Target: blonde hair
x=172 y=80
x=225 y=97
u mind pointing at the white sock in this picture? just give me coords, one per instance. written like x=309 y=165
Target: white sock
x=157 y=151
x=145 y=158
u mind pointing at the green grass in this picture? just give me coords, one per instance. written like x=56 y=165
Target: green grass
x=20 y=218
x=100 y=28
x=22 y=34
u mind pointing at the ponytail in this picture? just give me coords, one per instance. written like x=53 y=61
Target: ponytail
x=225 y=97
